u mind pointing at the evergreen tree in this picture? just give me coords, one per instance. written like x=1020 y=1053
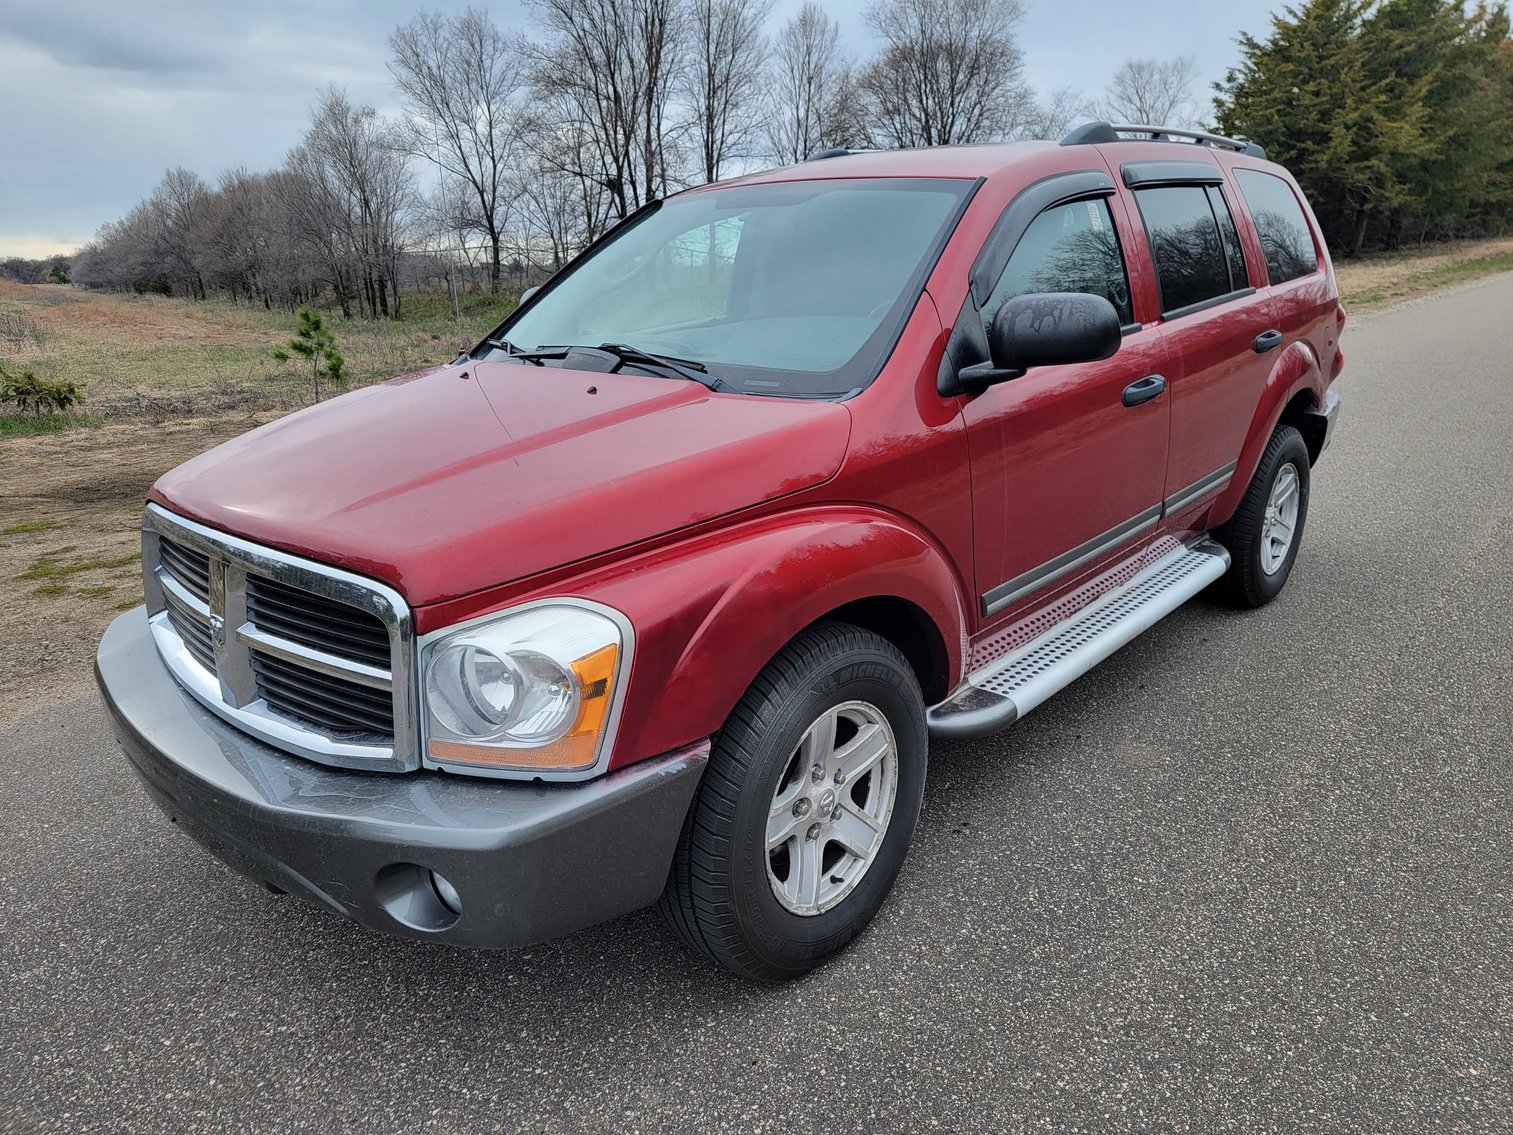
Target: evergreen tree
x=1422 y=57
x=314 y=340
x=1394 y=115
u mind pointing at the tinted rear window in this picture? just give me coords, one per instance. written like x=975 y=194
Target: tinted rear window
x=1191 y=264
x=1280 y=222
x=1233 y=252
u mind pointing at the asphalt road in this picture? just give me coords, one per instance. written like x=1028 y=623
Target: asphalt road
x=1253 y=874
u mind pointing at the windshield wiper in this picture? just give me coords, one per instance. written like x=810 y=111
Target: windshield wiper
x=691 y=369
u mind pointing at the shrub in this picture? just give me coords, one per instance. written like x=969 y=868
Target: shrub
x=34 y=395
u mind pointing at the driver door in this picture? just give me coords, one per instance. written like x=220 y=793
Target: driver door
x=1065 y=474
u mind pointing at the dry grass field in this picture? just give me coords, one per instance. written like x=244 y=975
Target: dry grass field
x=165 y=379
x=1388 y=277
x=155 y=354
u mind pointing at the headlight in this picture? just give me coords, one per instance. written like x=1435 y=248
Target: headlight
x=531 y=690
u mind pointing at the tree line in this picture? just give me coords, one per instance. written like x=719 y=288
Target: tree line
x=1395 y=116
x=42 y=270
x=513 y=152
x=536 y=145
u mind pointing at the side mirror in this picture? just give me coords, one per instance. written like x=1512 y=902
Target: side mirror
x=528 y=293
x=1045 y=329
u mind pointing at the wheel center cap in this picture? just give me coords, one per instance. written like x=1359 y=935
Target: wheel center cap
x=824 y=803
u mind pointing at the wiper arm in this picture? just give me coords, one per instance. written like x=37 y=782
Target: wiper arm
x=690 y=369
x=513 y=351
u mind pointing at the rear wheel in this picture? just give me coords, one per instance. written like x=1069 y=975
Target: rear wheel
x=806 y=810
x=1266 y=531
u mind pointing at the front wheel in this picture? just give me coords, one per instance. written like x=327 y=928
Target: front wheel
x=806 y=810
x=1266 y=531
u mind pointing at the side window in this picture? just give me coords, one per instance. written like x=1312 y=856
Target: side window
x=1068 y=248
x=1280 y=222
x=1233 y=252
x=1191 y=263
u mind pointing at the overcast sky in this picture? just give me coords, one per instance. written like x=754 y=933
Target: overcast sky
x=99 y=97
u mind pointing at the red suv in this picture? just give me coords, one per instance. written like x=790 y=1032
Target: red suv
x=660 y=593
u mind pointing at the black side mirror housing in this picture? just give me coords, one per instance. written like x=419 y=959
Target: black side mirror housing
x=1045 y=329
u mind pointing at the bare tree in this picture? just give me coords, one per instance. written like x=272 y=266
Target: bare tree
x=1052 y=116
x=560 y=210
x=949 y=71
x=175 y=209
x=605 y=76
x=312 y=206
x=724 y=82
x=1153 y=92
x=460 y=77
x=810 y=101
x=230 y=240
x=357 y=160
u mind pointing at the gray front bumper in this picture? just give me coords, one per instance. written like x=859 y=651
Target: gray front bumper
x=528 y=861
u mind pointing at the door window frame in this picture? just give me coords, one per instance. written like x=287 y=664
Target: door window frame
x=1057 y=189
x=1142 y=176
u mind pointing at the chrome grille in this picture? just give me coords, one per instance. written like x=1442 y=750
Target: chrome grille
x=333 y=705
x=318 y=623
x=311 y=658
x=196 y=636
x=191 y=569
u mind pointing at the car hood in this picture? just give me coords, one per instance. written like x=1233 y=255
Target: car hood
x=480 y=474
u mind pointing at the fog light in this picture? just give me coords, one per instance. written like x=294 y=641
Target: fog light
x=446 y=893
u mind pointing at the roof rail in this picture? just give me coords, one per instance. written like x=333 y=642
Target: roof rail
x=832 y=152
x=1093 y=133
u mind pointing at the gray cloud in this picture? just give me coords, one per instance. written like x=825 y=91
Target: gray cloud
x=99 y=97
x=101 y=43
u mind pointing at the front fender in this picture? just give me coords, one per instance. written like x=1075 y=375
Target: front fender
x=1296 y=370
x=710 y=613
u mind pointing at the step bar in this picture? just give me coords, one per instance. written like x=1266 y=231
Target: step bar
x=1004 y=691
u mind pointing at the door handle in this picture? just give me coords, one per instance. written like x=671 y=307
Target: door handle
x=1266 y=340
x=1147 y=388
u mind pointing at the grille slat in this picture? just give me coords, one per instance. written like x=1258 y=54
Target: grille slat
x=312 y=621
x=369 y=698
x=320 y=634
x=189 y=568
x=289 y=690
x=281 y=594
x=195 y=635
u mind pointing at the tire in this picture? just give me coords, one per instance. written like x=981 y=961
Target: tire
x=740 y=904
x=1257 y=572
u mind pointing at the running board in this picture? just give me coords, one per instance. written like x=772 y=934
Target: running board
x=1004 y=691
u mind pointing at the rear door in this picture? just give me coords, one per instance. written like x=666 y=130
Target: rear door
x=1064 y=472
x=1217 y=323
x=1304 y=300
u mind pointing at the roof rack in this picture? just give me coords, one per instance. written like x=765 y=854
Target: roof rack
x=1092 y=133
x=832 y=152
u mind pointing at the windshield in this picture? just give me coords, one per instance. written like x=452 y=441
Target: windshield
x=795 y=288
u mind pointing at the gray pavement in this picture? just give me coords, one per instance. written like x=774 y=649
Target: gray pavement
x=1253 y=874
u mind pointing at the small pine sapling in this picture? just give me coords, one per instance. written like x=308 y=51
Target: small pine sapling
x=314 y=340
